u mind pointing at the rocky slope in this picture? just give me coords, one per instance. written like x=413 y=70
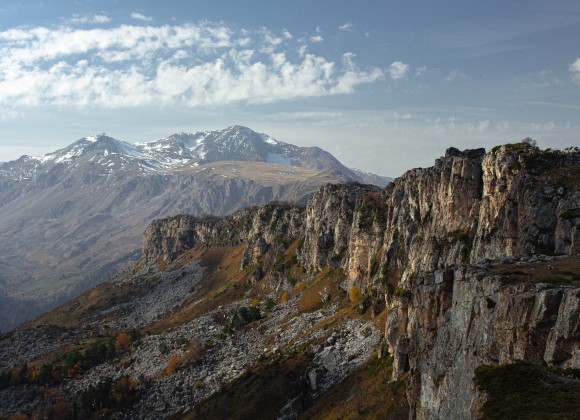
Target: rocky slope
x=472 y=262
x=74 y=217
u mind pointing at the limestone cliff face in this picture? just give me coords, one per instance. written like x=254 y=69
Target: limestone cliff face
x=457 y=319
x=425 y=244
x=258 y=227
x=468 y=207
x=334 y=228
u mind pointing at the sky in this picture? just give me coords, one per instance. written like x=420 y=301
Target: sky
x=385 y=86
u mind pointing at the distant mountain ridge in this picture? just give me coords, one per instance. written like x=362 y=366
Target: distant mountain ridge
x=75 y=216
x=235 y=143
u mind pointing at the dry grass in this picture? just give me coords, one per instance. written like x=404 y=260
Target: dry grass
x=368 y=393
x=566 y=176
x=325 y=283
x=561 y=271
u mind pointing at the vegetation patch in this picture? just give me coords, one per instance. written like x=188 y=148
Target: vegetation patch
x=71 y=364
x=373 y=209
x=527 y=391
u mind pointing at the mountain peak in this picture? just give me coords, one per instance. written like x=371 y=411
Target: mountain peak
x=234 y=143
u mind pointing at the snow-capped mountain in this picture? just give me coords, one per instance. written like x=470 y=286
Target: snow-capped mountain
x=75 y=216
x=181 y=149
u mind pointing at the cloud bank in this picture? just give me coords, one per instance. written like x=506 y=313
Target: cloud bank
x=190 y=64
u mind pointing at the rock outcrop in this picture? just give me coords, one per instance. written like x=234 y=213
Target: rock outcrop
x=469 y=207
x=274 y=225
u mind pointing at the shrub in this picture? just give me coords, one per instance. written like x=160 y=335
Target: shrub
x=401 y=292
x=284 y=297
x=163 y=349
x=95 y=397
x=122 y=343
x=134 y=335
x=354 y=294
x=241 y=317
x=5 y=379
x=173 y=364
x=269 y=305
x=124 y=390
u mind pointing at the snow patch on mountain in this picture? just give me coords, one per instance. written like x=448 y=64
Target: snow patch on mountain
x=270 y=140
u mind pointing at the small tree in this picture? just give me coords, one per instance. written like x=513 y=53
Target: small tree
x=530 y=141
x=122 y=343
x=124 y=389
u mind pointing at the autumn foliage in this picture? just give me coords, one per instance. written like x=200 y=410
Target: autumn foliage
x=174 y=363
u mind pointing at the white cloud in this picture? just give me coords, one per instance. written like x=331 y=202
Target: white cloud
x=316 y=38
x=420 y=71
x=538 y=80
x=454 y=75
x=483 y=125
x=141 y=16
x=574 y=69
x=8 y=115
x=348 y=60
x=192 y=65
x=287 y=34
x=405 y=116
x=90 y=19
x=271 y=41
x=542 y=127
x=346 y=27
x=27 y=47
x=398 y=70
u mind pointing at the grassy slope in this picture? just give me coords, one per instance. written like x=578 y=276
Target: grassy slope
x=527 y=391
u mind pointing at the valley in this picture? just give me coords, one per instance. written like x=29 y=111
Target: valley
x=75 y=217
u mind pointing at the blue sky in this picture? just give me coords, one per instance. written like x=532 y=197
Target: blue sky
x=383 y=85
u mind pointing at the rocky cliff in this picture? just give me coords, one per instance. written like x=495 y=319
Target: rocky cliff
x=447 y=251
x=454 y=320
x=468 y=207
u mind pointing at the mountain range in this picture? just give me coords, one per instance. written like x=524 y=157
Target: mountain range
x=451 y=293
x=74 y=217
